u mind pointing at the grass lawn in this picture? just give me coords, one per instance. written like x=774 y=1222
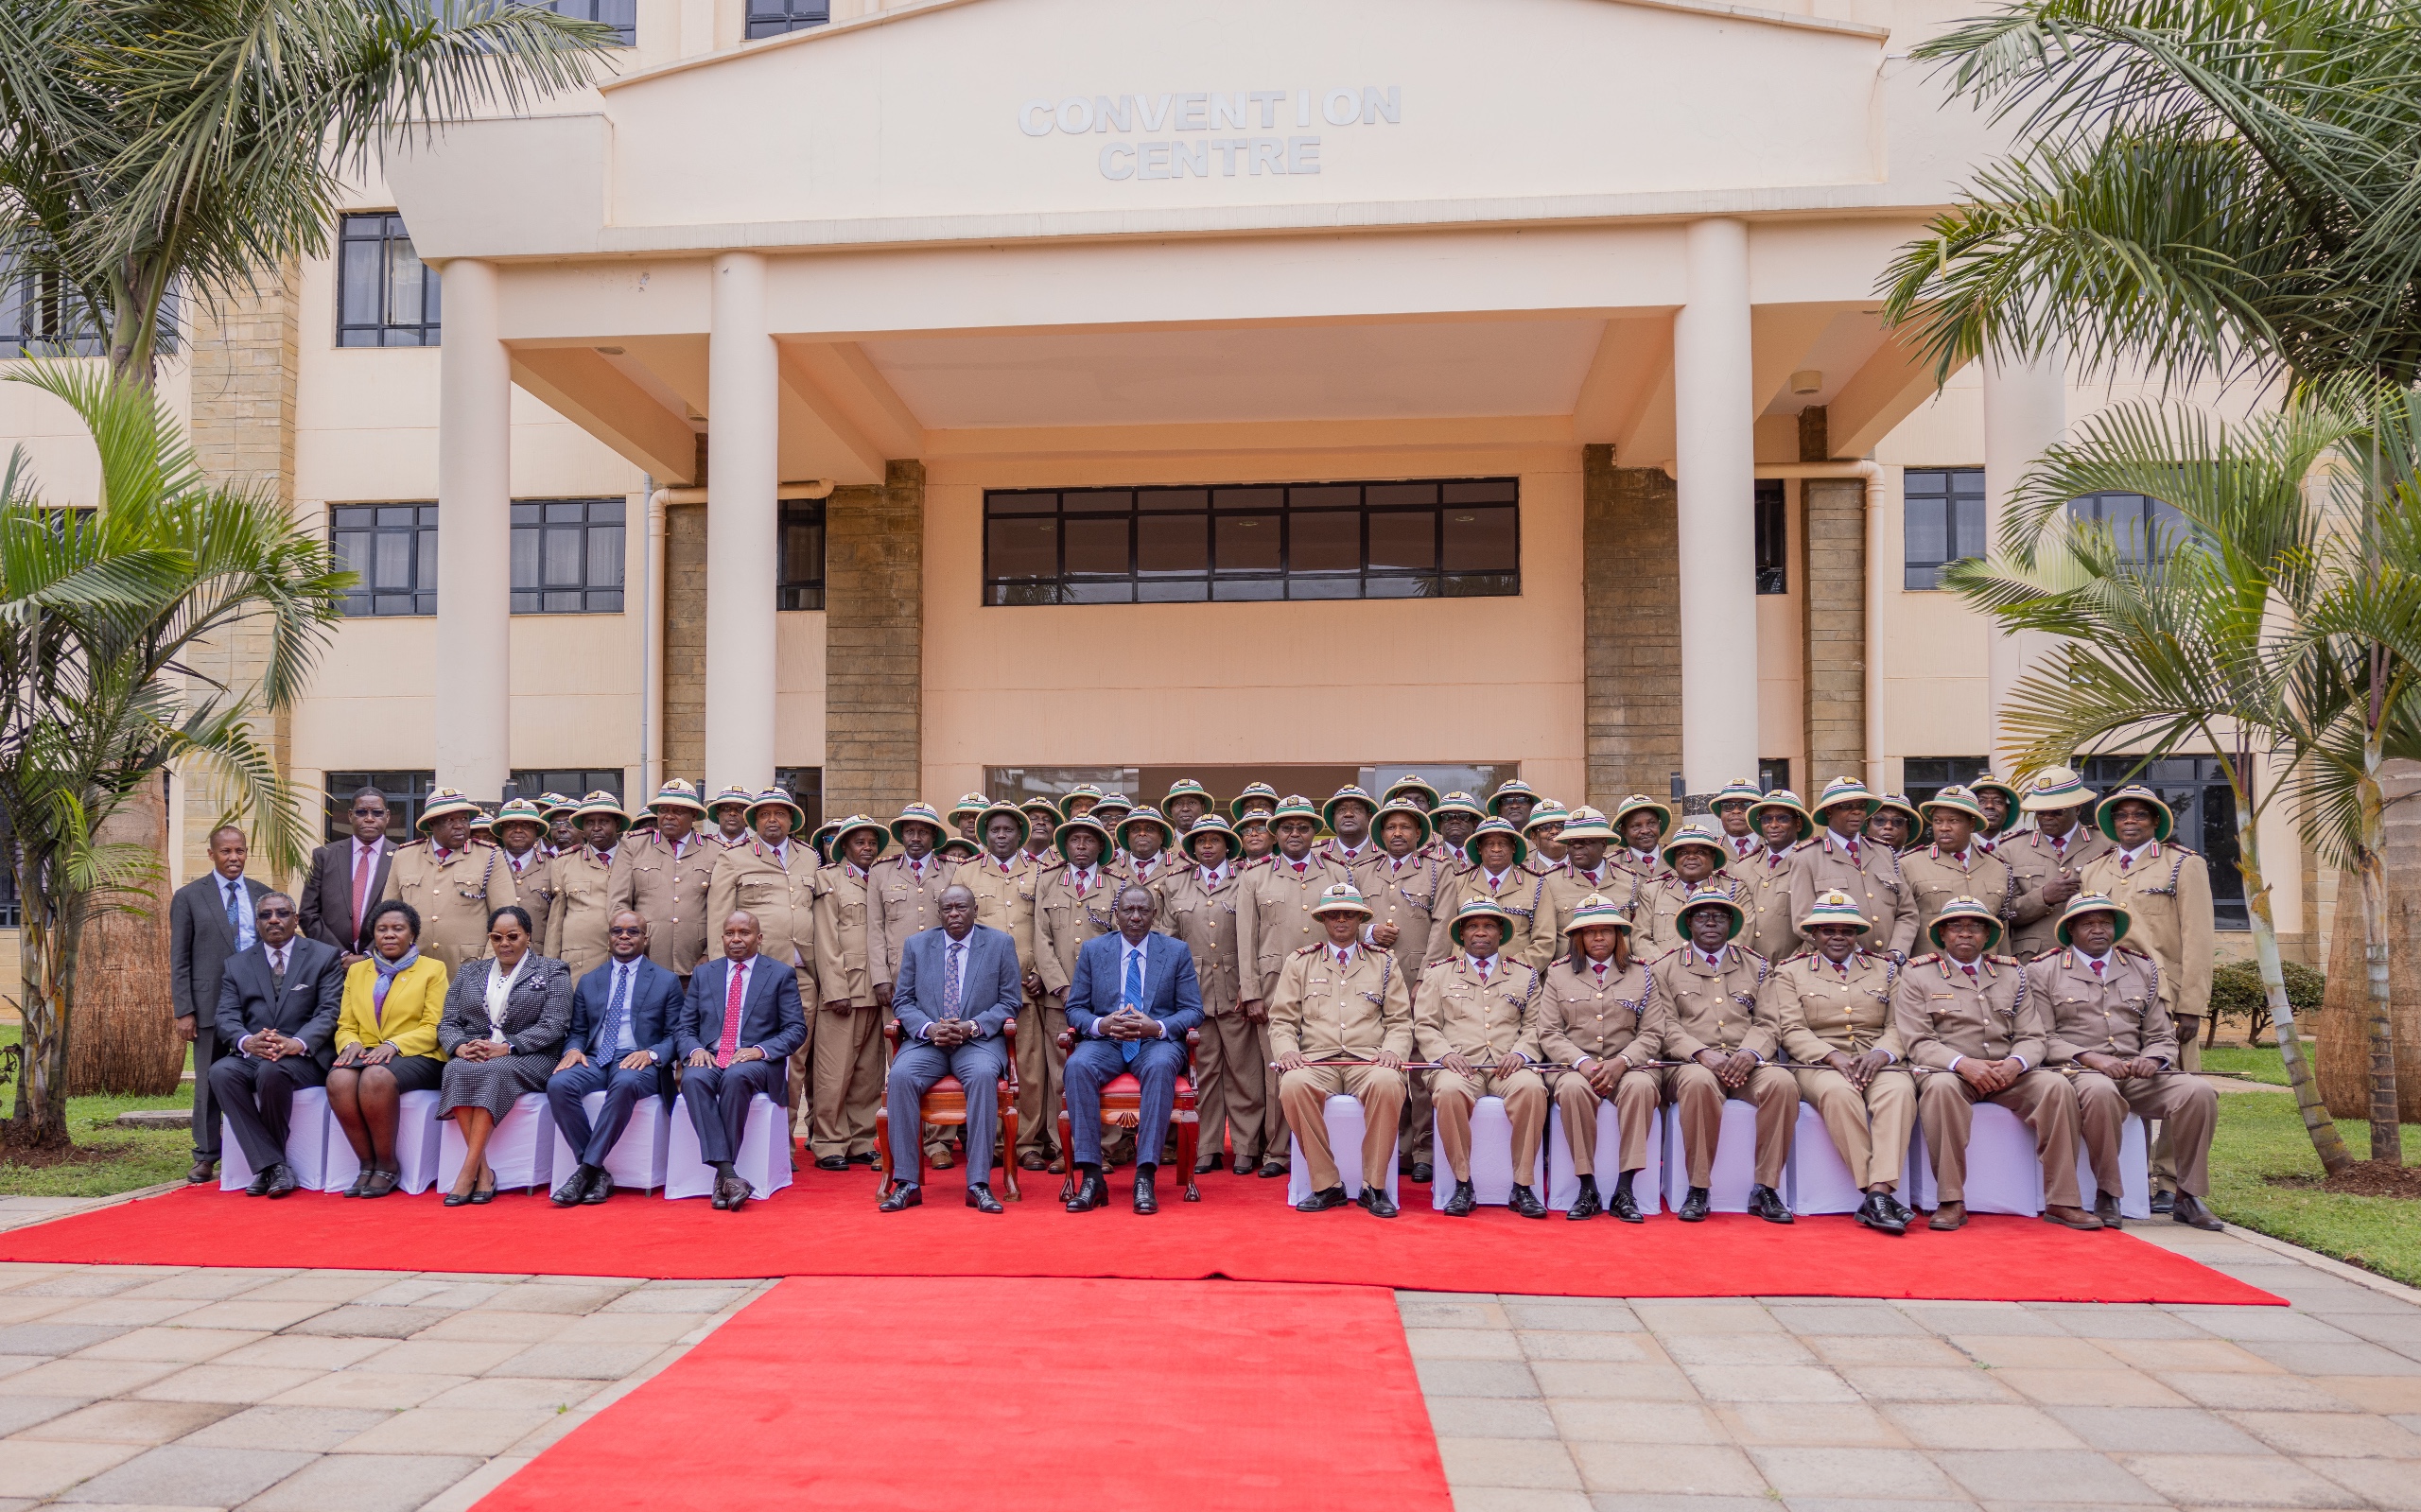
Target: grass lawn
x=2260 y=1136
x=131 y=1157
x=2253 y=1063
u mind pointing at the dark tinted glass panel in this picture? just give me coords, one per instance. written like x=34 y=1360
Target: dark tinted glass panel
x=1481 y=540
x=1022 y=549
x=1325 y=541
x=1405 y=540
x=386 y=296
x=567 y=557
x=1250 y=543
x=1176 y=542
x=1097 y=546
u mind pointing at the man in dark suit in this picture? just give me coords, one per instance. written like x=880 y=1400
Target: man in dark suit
x=624 y=1017
x=209 y=920
x=277 y=1021
x=348 y=878
x=955 y=987
x=1133 y=998
x=739 y=1026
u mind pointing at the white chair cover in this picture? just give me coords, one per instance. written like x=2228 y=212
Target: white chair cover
x=1491 y=1156
x=2134 y=1171
x=763 y=1160
x=640 y=1157
x=1735 y=1158
x=2003 y=1174
x=307 y=1137
x=1564 y=1183
x=1818 y=1179
x=1344 y=1116
x=521 y=1151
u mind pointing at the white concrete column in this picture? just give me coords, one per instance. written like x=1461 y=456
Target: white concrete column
x=474 y=537
x=2026 y=409
x=1715 y=415
x=743 y=525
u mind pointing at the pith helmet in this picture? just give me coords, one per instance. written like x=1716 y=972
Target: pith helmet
x=2054 y=788
x=1956 y=799
x=730 y=795
x=1899 y=801
x=968 y=803
x=1410 y=810
x=2106 y=811
x=1211 y=824
x=1340 y=897
x=1986 y=782
x=2084 y=903
x=778 y=798
x=1967 y=907
x=1695 y=834
x=1186 y=788
x=1512 y=787
x=1147 y=816
x=1840 y=791
x=1457 y=802
x=1090 y=826
x=850 y=825
x=1740 y=790
x=677 y=793
x=1496 y=827
x=1256 y=795
x=1478 y=908
x=1787 y=801
x=1639 y=803
x=646 y=822
x=919 y=814
x=822 y=840
x=1409 y=782
x=1077 y=794
x=1040 y=806
x=1585 y=822
x=1547 y=812
x=1596 y=910
x=958 y=848
x=601 y=801
x=443 y=802
x=1293 y=806
x=483 y=822
x=984 y=820
x=1114 y=803
x=521 y=811
x=1714 y=898
x=1348 y=793
x=554 y=803
x=1835 y=906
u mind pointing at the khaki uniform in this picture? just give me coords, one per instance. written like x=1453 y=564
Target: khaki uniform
x=1407 y=897
x=1872 y=882
x=901 y=900
x=454 y=897
x=1566 y=886
x=1740 y=850
x=1585 y=1018
x=2117 y=1011
x=2166 y=894
x=1004 y=901
x=1323 y=1014
x=1518 y=893
x=669 y=891
x=534 y=885
x=848 y=1047
x=2032 y=860
x=1637 y=872
x=1694 y=1006
x=1483 y=1019
x=1772 y=930
x=1656 y=923
x=1273 y=920
x=1943 y=1015
x=778 y=891
x=583 y=904
x=1935 y=876
x=1166 y=870
x=1823 y=1009
x=1064 y=917
x=1231 y=1069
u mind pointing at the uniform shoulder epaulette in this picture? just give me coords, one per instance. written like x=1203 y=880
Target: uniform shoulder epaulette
x=1921 y=960
x=1667 y=956
x=1761 y=960
x=2008 y=960
x=2046 y=955
x=422 y=843
x=1443 y=960
x=1798 y=955
x=1309 y=950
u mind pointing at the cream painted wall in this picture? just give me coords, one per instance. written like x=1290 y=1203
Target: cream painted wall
x=798 y=682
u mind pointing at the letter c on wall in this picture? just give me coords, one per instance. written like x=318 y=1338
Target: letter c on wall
x=1026 y=113
x=1127 y=171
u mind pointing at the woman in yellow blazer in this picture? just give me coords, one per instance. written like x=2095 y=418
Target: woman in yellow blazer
x=386 y=1042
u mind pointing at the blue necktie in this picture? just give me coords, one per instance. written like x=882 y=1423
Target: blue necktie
x=610 y=1041
x=1132 y=994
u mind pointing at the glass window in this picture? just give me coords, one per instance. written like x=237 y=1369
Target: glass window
x=392 y=548
x=1773 y=772
x=567 y=556
x=805 y=784
x=2196 y=790
x=1946 y=521
x=406 y=792
x=1773 y=536
x=1921 y=777
x=802 y=579
x=623 y=15
x=528 y=782
x=2144 y=529
x=39 y=318
x=770 y=18
x=386 y=296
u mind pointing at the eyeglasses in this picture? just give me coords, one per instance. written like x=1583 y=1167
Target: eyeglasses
x=276 y=913
x=627 y=928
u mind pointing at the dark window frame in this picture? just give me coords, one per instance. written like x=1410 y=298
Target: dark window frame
x=1296 y=509
x=1773 y=535
x=407 y=791
x=1923 y=574
x=626 y=31
x=2196 y=792
x=384 y=232
x=805 y=784
x=40 y=317
x=572 y=782
x=371 y=599
x=796 y=592
x=1921 y=777
x=2145 y=530
x=776 y=18
x=536 y=522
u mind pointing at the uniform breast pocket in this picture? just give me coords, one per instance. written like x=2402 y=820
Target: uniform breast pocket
x=754 y=891
x=853 y=913
x=897 y=896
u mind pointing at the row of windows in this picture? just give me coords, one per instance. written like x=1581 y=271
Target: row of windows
x=1944 y=522
x=766 y=18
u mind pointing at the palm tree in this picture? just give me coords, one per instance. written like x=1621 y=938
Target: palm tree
x=97 y=608
x=2203 y=187
x=2192 y=640
x=150 y=144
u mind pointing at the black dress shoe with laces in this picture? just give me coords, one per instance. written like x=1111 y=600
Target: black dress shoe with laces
x=738 y=1194
x=903 y=1196
x=1424 y=1172
x=1767 y=1204
x=2164 y=1202
x=979 y=1196
x=831 y=1162
x=202 y=1171
x=1462 y=1200
x=1091 y=1192
x=1525 y=1202
x=281 y=1180
x=1320 y=1202
x=258 y=1186
x=1374 y=1201
x=1875 y=1214
x=575 y=1187
x=2190 y=1211
x=1146 y=1200
x=1587 y=1204
x=1623 y=1204
x=2105 y=1208
x=1899 y=1210
x=600 y=1187
x=1270 y=1170
x=1695 y=1205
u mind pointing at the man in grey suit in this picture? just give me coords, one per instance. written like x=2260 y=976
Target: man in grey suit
x=209 y=920
x=955 y=988
x=277 y=1018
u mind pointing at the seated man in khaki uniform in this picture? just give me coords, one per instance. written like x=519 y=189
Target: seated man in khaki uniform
x=1593 y=1021
x=2102 y=997
x=1336 y=1001
x=1704 y=1010
x=1477 y=1020
x=1965 y=1016
x=1834 y=1007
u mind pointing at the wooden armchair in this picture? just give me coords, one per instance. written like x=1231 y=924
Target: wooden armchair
x=945 y=1103
x=1122 y=1106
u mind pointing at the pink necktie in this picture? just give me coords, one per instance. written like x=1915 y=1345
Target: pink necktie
x=2123 y=864
x=1599 y=968
x=736 y=975
x=365 y=865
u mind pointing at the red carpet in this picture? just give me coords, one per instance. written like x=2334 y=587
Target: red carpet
x=880 y=1393
x=1241 y=1230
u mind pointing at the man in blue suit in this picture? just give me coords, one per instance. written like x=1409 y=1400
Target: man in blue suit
x=739 y=1027
x=1133 y=998
x=955 y=987
x=625 y=1017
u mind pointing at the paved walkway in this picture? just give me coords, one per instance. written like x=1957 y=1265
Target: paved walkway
x=305 y=1391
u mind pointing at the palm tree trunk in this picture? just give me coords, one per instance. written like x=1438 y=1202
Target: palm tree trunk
x=2325 y=1142
x=2387 y=1130
x=46 y=949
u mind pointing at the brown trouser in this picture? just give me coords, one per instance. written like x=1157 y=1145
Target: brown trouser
x=1871 y=1129
x=1635 y=1098
x=802 y=1076
x=1234 y=1061
x=1040 y=1065
x=1304 y=1095
x=848 y=1081
x=2189 y=1058
x=1946 y=1109
x=1526 y=1102
x=1700 y=1097
x=2186 y=1107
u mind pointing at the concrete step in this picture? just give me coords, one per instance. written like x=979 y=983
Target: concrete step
x=164 y=1118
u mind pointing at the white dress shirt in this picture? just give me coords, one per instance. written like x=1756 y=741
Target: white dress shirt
x=278 y=955
x=500 y=988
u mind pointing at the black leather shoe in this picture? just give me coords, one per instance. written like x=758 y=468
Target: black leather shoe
x=382 y=1183
x=2164 y=1202
x=979 y=1196
x=738 y=1197
x=1586 y=1205
x=1091 y=1192
x=831 y=1162
x=281 y=1181
x=600 y=1187
x=1146 y=1201
x=1767 y=1204
x=1694 y=1207
x=1875 y=1214
x=1272 y=1169
x=903 y=1196
x=1374 y=1202
x=575 y=1187
x=1210 y=1163
x=1424 y=1172
x=1320 y=1202
x=863 y=1158
x=1899 y=1210
x=360 y=1183
x=258 y=1186
x=2105 y=1208
x=1623 y=1204
x=202 y=1171
x=1525 y=1202
x=1464 y=1199
x=2190 y=1211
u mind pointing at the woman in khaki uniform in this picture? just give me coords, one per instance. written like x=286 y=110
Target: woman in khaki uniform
x=1695 y=863
x=1593 y=1021
x=1833 y=1005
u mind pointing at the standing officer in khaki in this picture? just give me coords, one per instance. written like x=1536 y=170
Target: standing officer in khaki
x=1966 y=1017
x=1892 y=821
x=1693 y=863
x=1004 y=880
x=1999 y=802
x=1782 y=825
x=584 y=881
x=2109 y=1032
x=904 y=894
x=1042 y=823
x=2049 y=858
x=848 y=1041
x=520 y=833
x=1073 y=902
x=1400 y=878
x=1410 y=789
x=1477 y=1018
x=1704 y=1010
x=1639 y=823
x=453 y=880
x=1336 y=1001
x=966 y=818
x=729 y=814
x=772 y=877
x=1733 y=806
x=1453 y=819
x=1955 y=864
x=1584 y=872
x=1348 y=816
x=1593 y=1021
x=1496 y=852
x=1153 y=857
x=1275 y=918
x=1833 y=1005
x=1231 y=1066
x=1186 y=803
x=1544 y=829
x=664 y=878
x=1842 y=860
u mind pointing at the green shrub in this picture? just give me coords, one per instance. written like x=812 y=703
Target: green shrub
x=2236 y=994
